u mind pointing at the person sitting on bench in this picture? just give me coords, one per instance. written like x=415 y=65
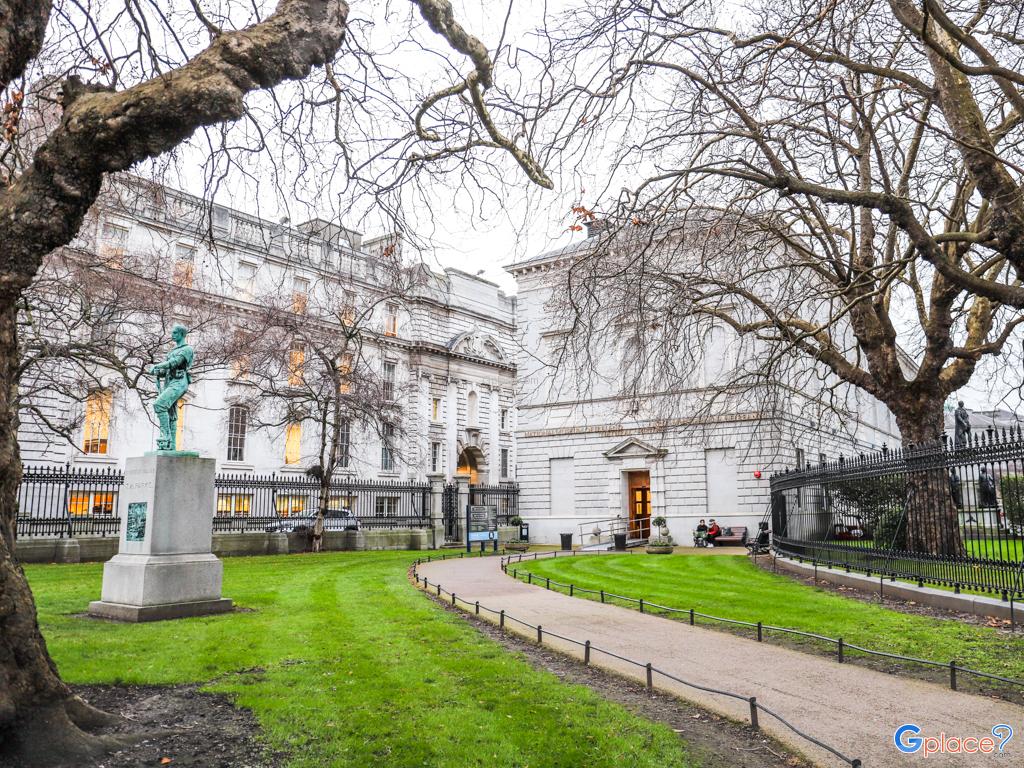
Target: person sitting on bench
x=714 y=531
x=700 y=538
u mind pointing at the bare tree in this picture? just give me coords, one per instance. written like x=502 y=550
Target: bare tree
x=120 y=105
x=835 y=183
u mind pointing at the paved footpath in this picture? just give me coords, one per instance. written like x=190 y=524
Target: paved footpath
x=853 y=709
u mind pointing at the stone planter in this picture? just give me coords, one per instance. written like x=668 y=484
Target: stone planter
x=655 y=549
x=517 y=546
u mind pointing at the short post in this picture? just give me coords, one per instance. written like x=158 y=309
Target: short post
x=602 y=595
x=453 y=599
x=952 y=675
x=650 y=676
x=1013 y=619
x=529 y=577
x=548 y=584
x=759 y=636
x=477 y=607
x=501 y=619
x=641 y=605
x=586 y=652
x=815 y=571
x=753 y=713
x=691 y=617
x=515 y=573
x=439 y=590
x=839 y=650
x=540 y=634
x=571 y=588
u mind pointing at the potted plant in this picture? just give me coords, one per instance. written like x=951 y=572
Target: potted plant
x=520 y=544
x=661 y=544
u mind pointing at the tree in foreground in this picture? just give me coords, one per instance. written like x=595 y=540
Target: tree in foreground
x=122 y=103
x=837 y=185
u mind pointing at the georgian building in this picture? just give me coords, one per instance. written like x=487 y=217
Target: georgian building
x=588 y=454
x=445 y=345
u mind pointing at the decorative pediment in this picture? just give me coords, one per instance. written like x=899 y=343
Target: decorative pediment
x=634 y=447
x=477 y=344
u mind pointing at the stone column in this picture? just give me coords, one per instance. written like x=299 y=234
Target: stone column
x=462 y=482
x=164 y=568
x=436 y=480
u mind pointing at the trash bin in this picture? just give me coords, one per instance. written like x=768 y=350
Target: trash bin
x=566 y=541
x=620 y=541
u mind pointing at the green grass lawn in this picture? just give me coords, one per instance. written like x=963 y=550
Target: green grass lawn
x=344 y=663
x=732 y=587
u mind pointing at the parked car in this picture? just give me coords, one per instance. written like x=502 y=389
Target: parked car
x=334 y=520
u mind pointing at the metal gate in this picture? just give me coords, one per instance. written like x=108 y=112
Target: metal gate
x=450 y=513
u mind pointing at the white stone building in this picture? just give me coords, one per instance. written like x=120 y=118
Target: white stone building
x=447 y=344
x=587 y=454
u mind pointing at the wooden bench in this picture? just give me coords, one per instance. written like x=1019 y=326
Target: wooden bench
x=736 y=537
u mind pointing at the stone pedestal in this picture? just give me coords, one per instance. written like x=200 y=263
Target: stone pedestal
x=164 y=568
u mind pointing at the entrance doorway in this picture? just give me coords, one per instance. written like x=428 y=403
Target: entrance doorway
x=468 y=465
x=639 y=504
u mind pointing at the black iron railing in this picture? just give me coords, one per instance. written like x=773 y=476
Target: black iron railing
x=934 y=514
x=504 y=496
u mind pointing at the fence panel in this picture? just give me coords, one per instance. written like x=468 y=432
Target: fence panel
x=935 y=514
x=504 y=496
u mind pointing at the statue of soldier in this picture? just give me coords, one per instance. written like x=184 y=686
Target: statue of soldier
x=956 y=489
x=172 y=380
x=961 y=427
x=986 y=489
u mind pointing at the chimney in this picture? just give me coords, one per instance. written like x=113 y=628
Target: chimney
x=595 y=227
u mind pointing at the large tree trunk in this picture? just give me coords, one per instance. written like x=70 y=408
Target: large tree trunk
x=930 y=514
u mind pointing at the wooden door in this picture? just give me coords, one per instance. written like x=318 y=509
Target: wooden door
x=639 y=505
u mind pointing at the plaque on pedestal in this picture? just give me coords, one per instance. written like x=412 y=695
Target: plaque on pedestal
x=164 y=568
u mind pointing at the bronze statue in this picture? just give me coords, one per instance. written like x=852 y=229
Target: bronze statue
x=961 y=427
x=172 y=380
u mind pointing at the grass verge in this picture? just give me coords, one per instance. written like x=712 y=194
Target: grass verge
x=344 y=663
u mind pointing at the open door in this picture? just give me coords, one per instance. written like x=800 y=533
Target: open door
x=639 y=505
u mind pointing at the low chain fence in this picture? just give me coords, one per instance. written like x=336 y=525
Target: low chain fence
x=951 y=516
x=842 y=648
x=588 y=648
x=68 y=501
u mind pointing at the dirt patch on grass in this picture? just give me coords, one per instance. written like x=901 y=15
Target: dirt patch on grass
x=716 y=741
x=190 y=729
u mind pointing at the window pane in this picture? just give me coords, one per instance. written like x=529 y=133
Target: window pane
x=238 y=422
x=96 y=428
x=292 y=443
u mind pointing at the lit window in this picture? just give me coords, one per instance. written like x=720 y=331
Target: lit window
x=391 y=320
x=115 y=244
x=82 y=503
x=184 y=265
x=241 y=367
x=344 y=443
x=293 y=443
x=388 y=389
x=338 y=503
x=387 y=453
x=289 y=506
x=386 y=506
x=238 y=424
x=345 y=374
x=435 y=410
x=296 y=362
x=234 y=504
x=96 y=429
x=505 y=462
x=300 y=294
x=435 y=457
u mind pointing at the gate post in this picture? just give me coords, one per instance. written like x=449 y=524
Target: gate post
x=462 y=484
x=436 y=480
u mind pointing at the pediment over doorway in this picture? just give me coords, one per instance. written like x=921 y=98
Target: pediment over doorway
x=634 y=447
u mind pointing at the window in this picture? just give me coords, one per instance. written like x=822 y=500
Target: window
x=115 y=243
x=348 y=308
x=296 y=362
x=238 y=424
x=388 y=388
x=345 y=373
x=184 y=265
x=435 y=457
x=391 y=320
x=435 y=410
x=300 y=294
x=505 y=462
x=234 y=504
x=293 y=443
x=85 y=502
x=241 y=367
x=504 y=419
x=386 y=506
x=289 y=506
x=342 y=502
x=179 y=429
x=344 y=442
x=387 y=454
x=96 y=428
x=246 y=279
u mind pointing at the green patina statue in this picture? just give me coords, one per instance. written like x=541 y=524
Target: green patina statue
x=172 y=380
